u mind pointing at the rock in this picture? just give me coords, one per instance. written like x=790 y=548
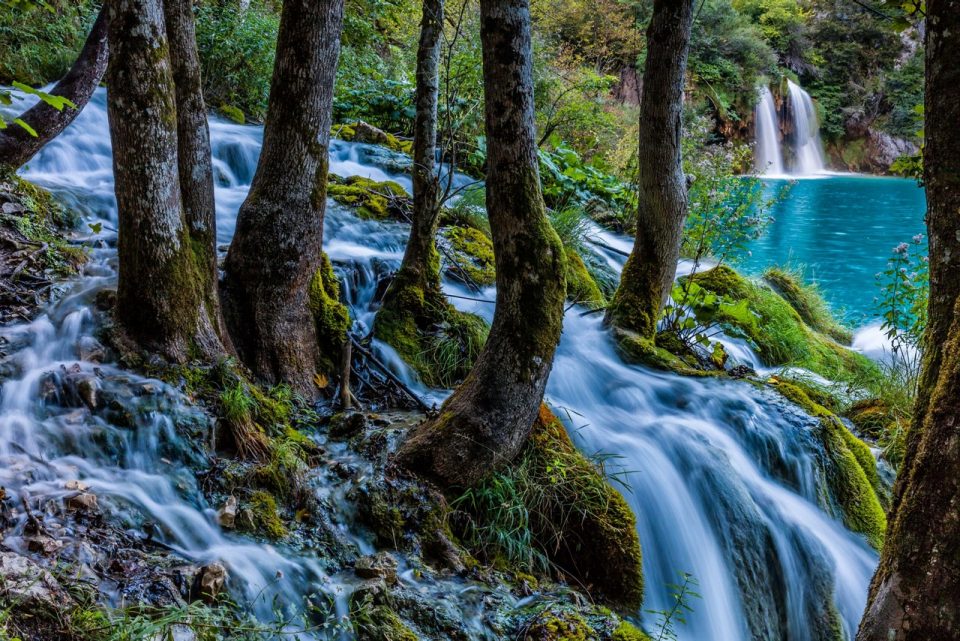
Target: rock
x=89 y=349
x=30 y=586
x=82 y=502
x=49 y=389
x=345 y=425
x=43 y=544
x=381 y=565
x=210 y=582
x=227 y=515
x=78 y=486
x=741 y=371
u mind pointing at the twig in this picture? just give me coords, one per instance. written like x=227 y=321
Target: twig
x=390 y=375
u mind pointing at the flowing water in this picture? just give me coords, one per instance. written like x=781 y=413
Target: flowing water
x=724 y=478
x=807 y=148
x=768 y=159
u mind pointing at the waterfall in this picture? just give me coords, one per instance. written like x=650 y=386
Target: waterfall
x=725 y=479
x=808 y=151
x=767 y=157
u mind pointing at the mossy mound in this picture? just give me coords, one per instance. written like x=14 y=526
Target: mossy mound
x=469 y=255
x=628 y=632
x=371 y=199
x=438 y=341
x=581 y=286
x=562 y=626
x=554 y=503
x=777 y=331
x=808 y=302
x=331 y=317
x=872 y=416
x=360 y=131
x=264 y=517
x=850 y=469
x=665 y=353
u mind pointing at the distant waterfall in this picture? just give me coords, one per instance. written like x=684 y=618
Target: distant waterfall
x=808 y=151
x=767 y=157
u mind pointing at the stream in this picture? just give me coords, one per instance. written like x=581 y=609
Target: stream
x=724 y=478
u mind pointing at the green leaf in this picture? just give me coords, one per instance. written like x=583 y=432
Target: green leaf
x=57 y=102
x=30 y=130
x=96 y=228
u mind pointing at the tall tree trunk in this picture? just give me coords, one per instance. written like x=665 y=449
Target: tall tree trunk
x=276 y=251
x=193 y=152
x=488 y=418
x=17 y=146
x=415 y=294
x=647 y=278
x=161 y=283
x=915 y=594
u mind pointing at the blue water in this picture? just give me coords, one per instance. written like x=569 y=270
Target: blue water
x=841 y=230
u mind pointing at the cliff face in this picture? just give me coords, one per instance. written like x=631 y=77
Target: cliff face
x=873 y=152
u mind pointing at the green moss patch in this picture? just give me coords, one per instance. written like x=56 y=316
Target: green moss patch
x=808 y=303
x=581 y=286
x=371 y=199
x=778 y=332
x=554 y=507
x=264 y=517
x=360 y=131
x=469 y=255
x=850 y=469
x=331 y=317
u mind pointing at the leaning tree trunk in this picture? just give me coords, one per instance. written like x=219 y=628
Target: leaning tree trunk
x=915 y=594
x=647 y=278
x=488 y=418
x=415 y=290
x=276 y=254
x=161 y=283
x=17 y=145
x=193 y=154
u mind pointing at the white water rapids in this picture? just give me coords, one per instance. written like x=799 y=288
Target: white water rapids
x=724 y=478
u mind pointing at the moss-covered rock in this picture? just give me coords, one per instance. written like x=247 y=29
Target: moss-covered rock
x=626 y=631
x=872 y=416
x=371 y=199
x=663 y=353
x=331 y=317
x=469 y=255
x=559 y=626
x=777 y=331
x=264 y=517
x=808 y=303
x=581 y=287
x=850 y=469
x=361 y=131
x=554 y=499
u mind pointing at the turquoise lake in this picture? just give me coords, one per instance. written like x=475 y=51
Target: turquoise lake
x=841 y=229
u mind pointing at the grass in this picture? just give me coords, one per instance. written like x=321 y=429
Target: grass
x=807 y=299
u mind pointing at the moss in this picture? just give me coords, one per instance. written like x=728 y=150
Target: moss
x=330 y=315
x=808 y=303
x=266 y=520
x=379 y=623
x=362 y=132
x=657 y=354
x=581 y=287
x=438 y=341
x=555 y=503
x=470 y=254
x=371 y=199
x=559 y=626
x=850 y=469
x=872 y=416
x=628 y=632
x=777 y=331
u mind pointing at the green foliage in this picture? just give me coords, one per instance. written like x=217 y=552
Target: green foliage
x=567 y=180
x=903 y=90
x=681 y=595
x=904 y=290
x=39 y=41
x=806 y=298
x=237 y=50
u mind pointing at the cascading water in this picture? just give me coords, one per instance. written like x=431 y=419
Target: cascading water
x=808 y=150
x=724 y=479
x=768 y=160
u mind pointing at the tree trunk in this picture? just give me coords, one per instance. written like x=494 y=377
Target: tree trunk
x=193 y=152
x=276 y=254
x=488 y=418
x=161 y=283
x=915 y=594
x=415 y=294
x=17 y=146
x=647 y=278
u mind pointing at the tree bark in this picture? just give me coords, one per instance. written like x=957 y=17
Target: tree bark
x=915 y=593
x=193 y=152
x=276 y=254
x=160 y=291
x=415 y=292
x=17 y=146
x=488 y=418
x=648 y=275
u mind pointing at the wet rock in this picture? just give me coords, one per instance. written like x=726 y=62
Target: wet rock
x=227 y=515
x=741 y=371
x=89 y=349
x=105 y=300
x=345 y=425
x=49 y=388
x=209 y=583
x=381 y=565
x=30 y=586
x=82 y=502
x=43 y=544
